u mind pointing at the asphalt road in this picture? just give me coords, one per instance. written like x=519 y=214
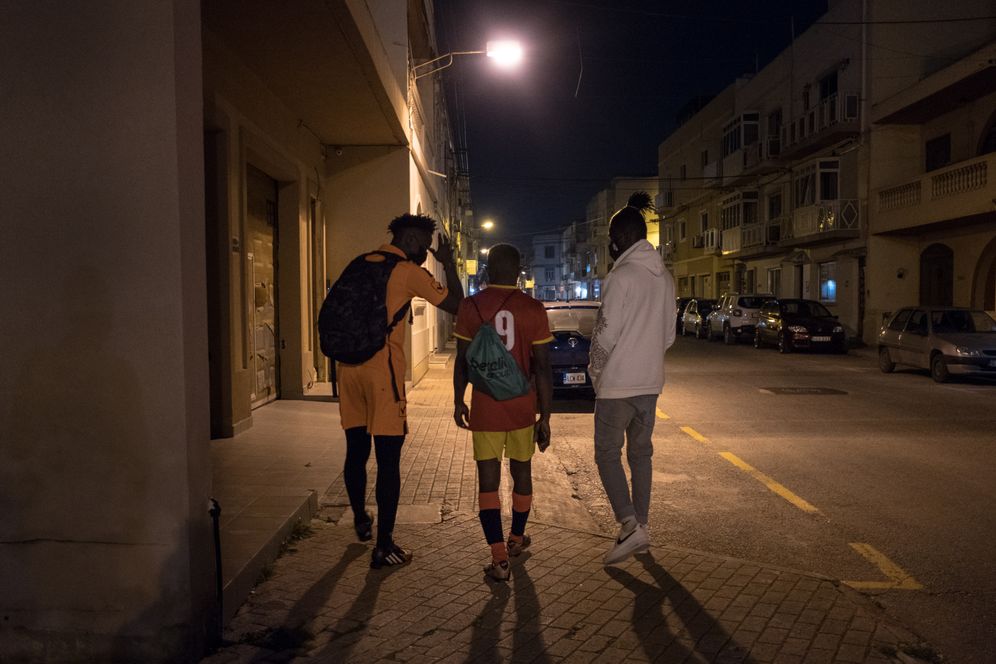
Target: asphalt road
x=888 y=484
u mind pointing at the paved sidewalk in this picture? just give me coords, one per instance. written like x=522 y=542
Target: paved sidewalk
x=323 y=603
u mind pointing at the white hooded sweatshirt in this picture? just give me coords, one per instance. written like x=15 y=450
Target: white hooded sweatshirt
x=636 y=325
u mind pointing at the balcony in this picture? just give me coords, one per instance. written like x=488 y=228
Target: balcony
x=762 y=155
x=754 y=239
x=832 y=119
x=825 y=221
x=732 y=240
x=960 y=191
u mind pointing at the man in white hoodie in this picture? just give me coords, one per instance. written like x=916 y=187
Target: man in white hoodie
x=635 y=327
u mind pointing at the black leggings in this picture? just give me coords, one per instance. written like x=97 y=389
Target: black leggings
x=388 y=490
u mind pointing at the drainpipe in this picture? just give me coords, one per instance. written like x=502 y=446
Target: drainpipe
x=215 y=512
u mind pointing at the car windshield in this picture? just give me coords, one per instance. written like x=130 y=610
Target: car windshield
x=580 y=319
x=807 y=309
x=750 y=302
x=957 y=321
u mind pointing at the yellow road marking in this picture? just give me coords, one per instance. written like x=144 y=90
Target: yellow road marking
x=695 y=434
x=774 y=486
x=661 y=414
x=899 y=579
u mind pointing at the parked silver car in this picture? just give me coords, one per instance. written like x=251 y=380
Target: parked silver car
x=946 y=340
x=734 y=317
x=693 y=320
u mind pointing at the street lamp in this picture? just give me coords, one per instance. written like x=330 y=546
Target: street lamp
x=488 y=225
x=484 y=251
x=504 y=53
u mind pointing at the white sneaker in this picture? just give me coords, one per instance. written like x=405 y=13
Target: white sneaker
x=633 y=538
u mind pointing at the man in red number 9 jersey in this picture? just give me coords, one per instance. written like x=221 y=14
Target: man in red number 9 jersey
x=505 y=428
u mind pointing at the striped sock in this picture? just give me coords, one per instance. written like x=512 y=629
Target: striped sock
x=520 y=514
x=490 y=516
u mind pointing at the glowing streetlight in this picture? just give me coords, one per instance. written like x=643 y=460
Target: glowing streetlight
x=504 y=53
x=484 y=252
x=488 y=225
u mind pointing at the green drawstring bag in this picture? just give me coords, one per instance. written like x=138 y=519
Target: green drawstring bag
x=490 y=367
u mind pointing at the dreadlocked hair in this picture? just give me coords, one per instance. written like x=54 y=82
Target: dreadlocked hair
x=641 y=201
x=408 y=221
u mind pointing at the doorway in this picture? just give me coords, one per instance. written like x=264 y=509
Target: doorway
x=937 y=276
x=261 y=259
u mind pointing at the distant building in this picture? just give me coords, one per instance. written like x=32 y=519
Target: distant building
x=790 y=182
x=548 y=267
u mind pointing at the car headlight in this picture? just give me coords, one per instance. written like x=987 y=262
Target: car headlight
x=967 y=352
x=838 y=329
x=798 y=329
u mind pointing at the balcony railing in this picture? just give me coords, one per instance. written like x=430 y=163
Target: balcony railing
x=753 y=236
x=834 y=110
x=959 y=190
x=959 y=180
x=895 y=198
x=732 y=240
x=825 y=217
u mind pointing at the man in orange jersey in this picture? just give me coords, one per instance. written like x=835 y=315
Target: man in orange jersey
x=505 y=428
x=372 y=394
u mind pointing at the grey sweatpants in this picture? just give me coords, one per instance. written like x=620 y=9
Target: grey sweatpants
x=632 y=418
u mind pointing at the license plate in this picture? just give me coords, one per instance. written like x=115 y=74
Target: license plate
x=818 y=339
x=574 y=379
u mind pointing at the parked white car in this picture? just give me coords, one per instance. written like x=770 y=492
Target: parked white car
x=735 y=317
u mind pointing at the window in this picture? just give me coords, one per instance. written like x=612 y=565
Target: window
x=750 y=280
x=549 y=274
x=548 y=251
x=683 y=172
x=774 y=280
x=937 y=152
x=899 y=322
x=828 y=282
x=703 y=222
x=805 y=188
x=774 y=206
x=805 y=97
x=682 y=231
x=723 y=281
x=705 y=158
x=828 y=86
x=918 y=323
x=741 y=131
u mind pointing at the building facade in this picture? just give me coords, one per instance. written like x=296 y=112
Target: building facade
x=228 y=159
x=548 y=267
x=806 y=178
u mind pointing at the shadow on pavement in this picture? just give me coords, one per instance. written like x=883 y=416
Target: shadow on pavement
x=527 y=641
x=487 y=627
x=294 y=633
x=699 y=634
x=350 y=629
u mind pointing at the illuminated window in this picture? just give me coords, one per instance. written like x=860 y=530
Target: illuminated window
x=828 y=282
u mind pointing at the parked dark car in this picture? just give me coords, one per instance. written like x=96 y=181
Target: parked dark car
x=694 y=319
x=794 y=324
x=680 y=304
x=945 y=340
x=572 y=324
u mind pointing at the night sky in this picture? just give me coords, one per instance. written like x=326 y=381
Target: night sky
x=536 y=152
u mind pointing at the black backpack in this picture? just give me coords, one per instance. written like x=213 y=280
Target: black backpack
x=353 y=325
